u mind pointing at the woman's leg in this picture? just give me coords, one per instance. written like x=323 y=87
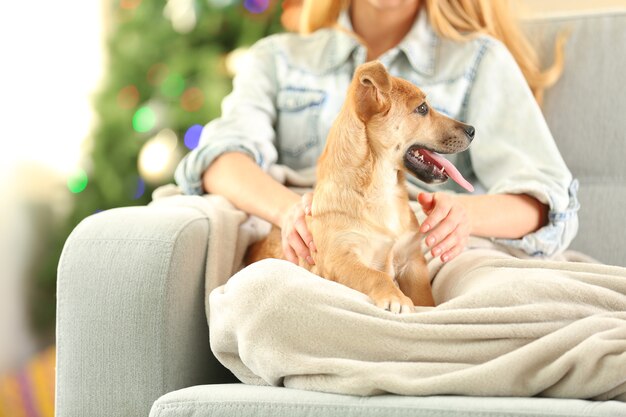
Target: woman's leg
x=504 y=326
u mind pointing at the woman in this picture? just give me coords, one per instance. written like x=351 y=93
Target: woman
x=286 y=98
x=502 y=325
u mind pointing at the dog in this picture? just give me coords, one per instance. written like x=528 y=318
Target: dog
x=366 y=234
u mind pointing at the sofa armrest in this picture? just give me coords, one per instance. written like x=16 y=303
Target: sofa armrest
x=131 y=321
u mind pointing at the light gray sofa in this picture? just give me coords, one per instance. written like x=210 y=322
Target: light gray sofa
x=131 y=325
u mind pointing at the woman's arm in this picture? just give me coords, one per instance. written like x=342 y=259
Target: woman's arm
x=509 y=216
x=514 y=157
x=237 y=177
x=246 y=124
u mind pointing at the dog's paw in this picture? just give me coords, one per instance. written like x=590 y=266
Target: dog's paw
x=395 y=303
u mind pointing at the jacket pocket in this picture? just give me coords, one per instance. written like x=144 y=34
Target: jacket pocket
x=297 y=129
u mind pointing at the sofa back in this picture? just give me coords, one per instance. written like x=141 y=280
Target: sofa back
x=586 y=112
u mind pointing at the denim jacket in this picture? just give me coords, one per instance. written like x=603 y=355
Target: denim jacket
x=288 y=94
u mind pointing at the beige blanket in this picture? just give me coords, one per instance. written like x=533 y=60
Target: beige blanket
x=502 y=326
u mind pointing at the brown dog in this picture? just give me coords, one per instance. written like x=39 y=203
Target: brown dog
x=366 y=233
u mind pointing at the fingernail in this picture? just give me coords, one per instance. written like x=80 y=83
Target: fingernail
x=425 y=228
x=430 y=241
x=436 y=251
x=310 y=260
x=445 y=258
x=307 y=210
x=312 y=246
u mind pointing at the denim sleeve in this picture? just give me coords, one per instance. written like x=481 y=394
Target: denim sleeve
x=515 y=153
x=246 y=124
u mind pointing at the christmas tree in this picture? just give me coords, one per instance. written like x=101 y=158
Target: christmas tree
x=169 y=64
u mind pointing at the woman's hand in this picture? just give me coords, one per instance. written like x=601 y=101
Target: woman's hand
x=447 y=224
x=297 y=240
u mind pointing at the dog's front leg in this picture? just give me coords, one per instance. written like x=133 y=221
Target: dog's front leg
x=413 y=280
x=378 y=285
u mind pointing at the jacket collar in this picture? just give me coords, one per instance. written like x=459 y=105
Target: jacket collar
x=419 y=45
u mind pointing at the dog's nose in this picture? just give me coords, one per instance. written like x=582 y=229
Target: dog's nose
x=469 y=131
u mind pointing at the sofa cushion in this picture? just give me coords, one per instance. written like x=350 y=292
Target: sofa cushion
x=246 y=400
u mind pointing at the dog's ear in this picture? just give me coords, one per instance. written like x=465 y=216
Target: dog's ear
x=373 y=84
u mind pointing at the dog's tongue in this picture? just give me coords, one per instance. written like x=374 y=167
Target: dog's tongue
x=450 y=170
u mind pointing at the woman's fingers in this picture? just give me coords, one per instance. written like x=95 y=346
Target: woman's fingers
x=298 y=245
x=426 y=200
x=289 y=253
x=444 y=228
x=307 y=202
x=440 y=211
x=447 y=225
x=294 y=248
x=305 y=237
x=446 y=244
x=297 y=240
x=452 y=245
x=452 y=253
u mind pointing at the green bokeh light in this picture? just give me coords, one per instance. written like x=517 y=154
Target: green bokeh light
x=144 y=119
x=77 y=182
x=173 y=85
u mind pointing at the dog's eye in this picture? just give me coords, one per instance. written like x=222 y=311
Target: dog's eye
x=422 y=109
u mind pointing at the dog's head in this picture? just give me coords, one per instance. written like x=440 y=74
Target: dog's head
x=400 y=123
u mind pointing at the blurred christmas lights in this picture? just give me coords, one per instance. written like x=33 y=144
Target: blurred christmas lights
x=77 y=182
x=192 y=136
x=221 y=3
x=159 y=156
x=157 y=73
x=192 y=99
x=182 y=14
x=129 y=4
x=140 y=189
x=173 y=85
x=128 y=97
x=256 y=6
x=144 y=119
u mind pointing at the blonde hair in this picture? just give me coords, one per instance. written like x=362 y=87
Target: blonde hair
x=461 y=20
